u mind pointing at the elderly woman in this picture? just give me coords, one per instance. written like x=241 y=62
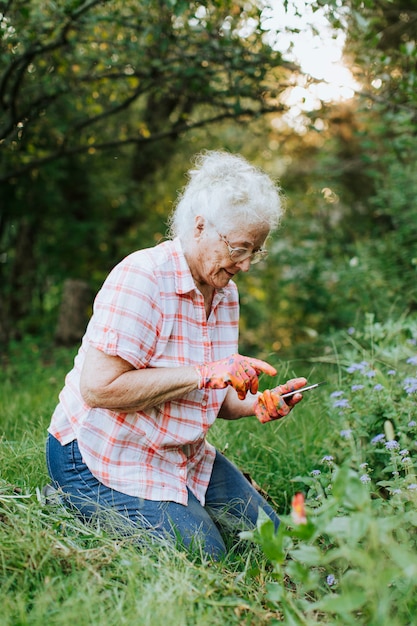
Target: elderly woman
x=159 y=363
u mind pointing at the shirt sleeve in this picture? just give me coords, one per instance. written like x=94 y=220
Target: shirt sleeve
x=127 y=313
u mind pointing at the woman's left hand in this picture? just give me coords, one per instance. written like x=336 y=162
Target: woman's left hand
x=270 y=405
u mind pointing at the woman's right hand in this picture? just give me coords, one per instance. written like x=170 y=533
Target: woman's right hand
x=240 y=372
x=270 y=405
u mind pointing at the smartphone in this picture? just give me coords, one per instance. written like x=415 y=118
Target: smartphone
x=302 y=390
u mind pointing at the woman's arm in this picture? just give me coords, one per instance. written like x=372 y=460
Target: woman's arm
x=233 y=408
x=110 y=382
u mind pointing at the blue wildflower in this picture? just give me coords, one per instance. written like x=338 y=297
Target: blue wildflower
x=342 y=403
x=316 y=472
x=378 y=387
x=404 y=452
x=378 y=438
x=392 y=445
x=371 y=374
x=331 y=580
x=336 y=394
x=412 y=423
x=346 y=434
x=357 y=387
x=357 y=367
x=391 y=372
x=412 y=360
x=365 y=479
x=412 y=486
x=328 y=458
x=410 y=385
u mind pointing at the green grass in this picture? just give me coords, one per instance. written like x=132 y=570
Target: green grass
x=55 y=571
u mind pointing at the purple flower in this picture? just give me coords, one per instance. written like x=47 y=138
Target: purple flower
x=328 y=458
x=410 y=385
x=412 y=360
x=371 y=374
x=342 y=403
x=392 y=445
x=412 y=486
x=357 y=387
x=404 y=452
x=357 y=367
x=365 y=479
x=331 y=580
x=316 y=472
x=346 y=434
x=351 y=330
x=391 y=372
x=378 y=438
x=378 y=387
x=412 y=423
x=336 y=394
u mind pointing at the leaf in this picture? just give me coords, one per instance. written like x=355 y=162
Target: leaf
x=309 y=555
x=344 y=603
x=349 y=490
x=271 y=541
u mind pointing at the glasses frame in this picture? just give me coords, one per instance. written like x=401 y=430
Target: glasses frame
x=243 y=254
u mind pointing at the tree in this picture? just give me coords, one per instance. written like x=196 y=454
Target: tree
x=82 y=79
x=73 y=72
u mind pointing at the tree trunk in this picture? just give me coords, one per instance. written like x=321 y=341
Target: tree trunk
x=74 y=313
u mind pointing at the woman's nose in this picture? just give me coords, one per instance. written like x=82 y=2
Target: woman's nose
x=244 y=265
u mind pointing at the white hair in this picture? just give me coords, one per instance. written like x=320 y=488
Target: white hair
x=228 y=191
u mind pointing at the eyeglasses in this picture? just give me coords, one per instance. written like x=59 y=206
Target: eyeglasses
x=242 y=254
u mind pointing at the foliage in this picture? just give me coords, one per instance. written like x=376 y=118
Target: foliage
x=354 y=559
x=347 y=245
x=351 y=448
x=70 y=69
x=93 y=98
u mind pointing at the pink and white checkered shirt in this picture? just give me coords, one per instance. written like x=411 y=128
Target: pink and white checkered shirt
x=150 y=313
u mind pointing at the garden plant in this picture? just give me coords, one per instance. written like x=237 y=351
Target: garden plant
x=340 y=470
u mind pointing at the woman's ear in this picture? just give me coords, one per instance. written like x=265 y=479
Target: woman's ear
x=199 y=225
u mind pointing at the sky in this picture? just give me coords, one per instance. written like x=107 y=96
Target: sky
x=319 y=54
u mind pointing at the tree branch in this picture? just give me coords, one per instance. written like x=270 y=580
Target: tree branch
x=122 y=143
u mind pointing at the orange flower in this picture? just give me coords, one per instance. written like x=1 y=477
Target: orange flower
x=298 y=512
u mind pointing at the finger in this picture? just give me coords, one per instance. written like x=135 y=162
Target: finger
x=239 y=385
x=295 y=399
x=249 y=375
x=281 y=407
x=269 y=403
x=261 y=412
x=240 y=379
x=262 y=366
x=291 y=385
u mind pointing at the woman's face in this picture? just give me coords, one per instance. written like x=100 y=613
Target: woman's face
x=210 y=261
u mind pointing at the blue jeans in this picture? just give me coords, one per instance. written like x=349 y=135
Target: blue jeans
x=232 y=504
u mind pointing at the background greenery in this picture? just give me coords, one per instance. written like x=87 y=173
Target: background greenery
x=102 y=105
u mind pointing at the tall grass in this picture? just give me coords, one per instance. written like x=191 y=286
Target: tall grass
x=354 y=561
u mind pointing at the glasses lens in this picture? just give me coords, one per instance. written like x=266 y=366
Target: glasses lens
x=239 y=254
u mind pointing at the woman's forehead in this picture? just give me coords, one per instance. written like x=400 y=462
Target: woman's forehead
x=248 y=235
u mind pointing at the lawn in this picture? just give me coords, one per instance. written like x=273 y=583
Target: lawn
x=349 y=448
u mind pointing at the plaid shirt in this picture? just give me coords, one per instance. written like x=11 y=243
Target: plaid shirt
x=150 y=313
